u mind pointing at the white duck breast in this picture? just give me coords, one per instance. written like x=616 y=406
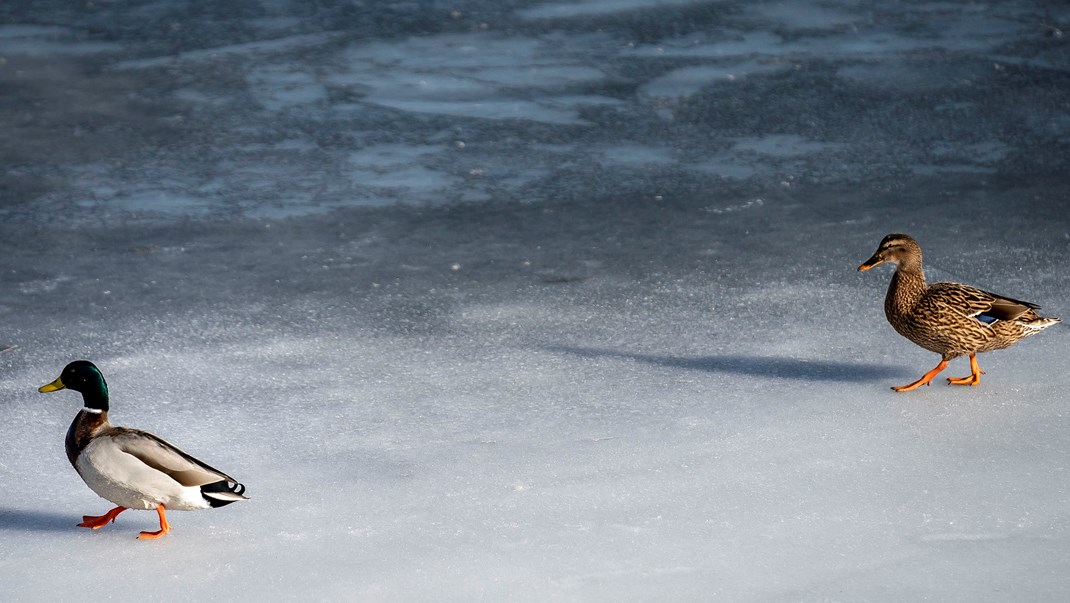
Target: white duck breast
x=137 y=470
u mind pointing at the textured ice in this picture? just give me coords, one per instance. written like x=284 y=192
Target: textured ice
x=639 y=156
x=686 y=81
x=583 y=8
x=261 y=49
x=728 y=44
x=808 y=15
x=468 y=76
x=532 y=301
x=46 y=40
x=782 y=145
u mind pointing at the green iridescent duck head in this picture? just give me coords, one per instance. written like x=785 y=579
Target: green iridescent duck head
x=84 y=377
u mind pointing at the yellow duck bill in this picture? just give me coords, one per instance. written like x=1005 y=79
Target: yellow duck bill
x=55 y=386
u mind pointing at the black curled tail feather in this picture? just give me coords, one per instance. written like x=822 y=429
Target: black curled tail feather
x=222 y=493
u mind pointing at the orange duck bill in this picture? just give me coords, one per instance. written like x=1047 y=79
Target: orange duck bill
x=871 y=262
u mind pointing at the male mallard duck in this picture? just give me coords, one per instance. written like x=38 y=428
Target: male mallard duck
x=132 y=468
x=948 y=318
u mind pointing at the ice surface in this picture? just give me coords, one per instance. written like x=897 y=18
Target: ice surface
x=474 y=76
x=582 y=8
x=808 y=15
x=44 y=40
x=686 y=81
x=532 y=300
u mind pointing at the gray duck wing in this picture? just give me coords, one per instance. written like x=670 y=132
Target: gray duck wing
x=167 y=458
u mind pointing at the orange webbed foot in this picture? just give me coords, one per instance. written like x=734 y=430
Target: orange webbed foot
x=164 y=526
x=96 y=522
x=925 y=379
x=975 y=374
x=971 y=380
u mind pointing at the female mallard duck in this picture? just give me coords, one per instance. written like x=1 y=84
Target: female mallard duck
x=132 y=468
x=948 y=318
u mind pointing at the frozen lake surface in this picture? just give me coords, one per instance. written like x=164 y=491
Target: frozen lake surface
x=536 y=300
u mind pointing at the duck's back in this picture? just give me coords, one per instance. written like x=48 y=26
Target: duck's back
x=953 y=320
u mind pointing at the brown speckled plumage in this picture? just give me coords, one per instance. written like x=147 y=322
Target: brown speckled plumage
x=950 y=319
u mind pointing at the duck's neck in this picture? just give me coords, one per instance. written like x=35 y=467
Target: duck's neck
x=95 y=400
x=86 y=424
x=905 y=290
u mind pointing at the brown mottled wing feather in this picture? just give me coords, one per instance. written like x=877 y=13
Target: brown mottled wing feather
x=972 y=301
x=162 y=456
x=1007 y=308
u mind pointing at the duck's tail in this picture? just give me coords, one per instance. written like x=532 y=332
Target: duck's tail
x=1035 y=323
x=1032 y=320
x=222 y=493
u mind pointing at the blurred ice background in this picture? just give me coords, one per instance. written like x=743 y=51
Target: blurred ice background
x=513 y=300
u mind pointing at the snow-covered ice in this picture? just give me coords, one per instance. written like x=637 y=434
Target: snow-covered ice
x=535 y=300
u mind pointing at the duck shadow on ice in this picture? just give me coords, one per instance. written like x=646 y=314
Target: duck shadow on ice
x=36 y=521
x=758 y=366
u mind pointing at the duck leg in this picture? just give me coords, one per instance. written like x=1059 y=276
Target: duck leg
x=164 y=526
x=99 y=521
x=975 y=374
x=925 y=379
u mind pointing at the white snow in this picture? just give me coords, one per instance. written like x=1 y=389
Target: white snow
x=535 y=302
